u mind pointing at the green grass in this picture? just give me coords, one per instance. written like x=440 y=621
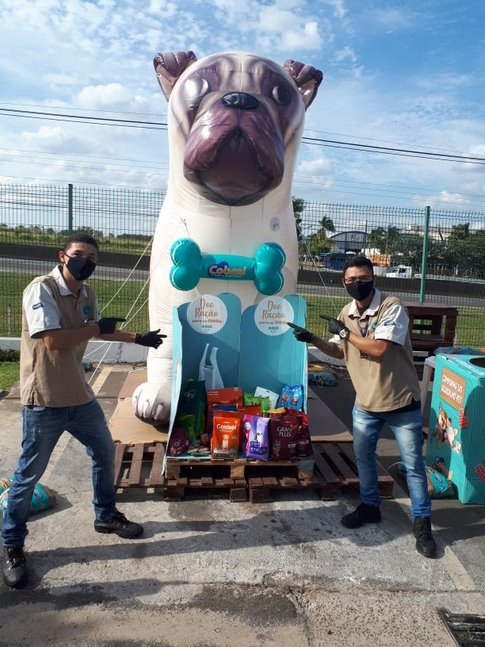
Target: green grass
x=470 y=325
x=114 y=300
x=470 y=328
x=9 y=375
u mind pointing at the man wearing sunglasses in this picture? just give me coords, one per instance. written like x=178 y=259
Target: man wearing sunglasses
x=371 y=334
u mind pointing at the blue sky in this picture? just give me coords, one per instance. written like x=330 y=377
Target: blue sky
x=405 y=75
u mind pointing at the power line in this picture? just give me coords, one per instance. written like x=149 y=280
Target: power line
x=315 y=141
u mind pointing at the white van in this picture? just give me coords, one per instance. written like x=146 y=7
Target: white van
x=400 y=272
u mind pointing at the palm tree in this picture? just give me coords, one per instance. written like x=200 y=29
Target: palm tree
x=326 y=225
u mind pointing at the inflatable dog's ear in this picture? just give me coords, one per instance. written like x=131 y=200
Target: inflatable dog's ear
x=169 y=66
x=307 y=79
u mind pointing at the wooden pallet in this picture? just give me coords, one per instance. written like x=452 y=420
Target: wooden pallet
x=244 y=479
x=336 y=464
x=334 y=470
x=139 y=465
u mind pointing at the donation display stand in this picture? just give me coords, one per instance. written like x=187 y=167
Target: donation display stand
x=456 y=441
x=254 y=348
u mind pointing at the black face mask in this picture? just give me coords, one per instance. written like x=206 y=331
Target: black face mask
x=81 y=268
x=360 y=291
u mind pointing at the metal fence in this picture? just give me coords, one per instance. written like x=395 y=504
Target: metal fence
x=419 y=254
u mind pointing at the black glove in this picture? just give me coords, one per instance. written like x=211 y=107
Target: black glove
x=301 y=334
x=152 y=338
x=107 y=325
x=336 y=327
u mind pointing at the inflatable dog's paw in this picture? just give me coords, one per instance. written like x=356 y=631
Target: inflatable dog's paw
x=148 y=403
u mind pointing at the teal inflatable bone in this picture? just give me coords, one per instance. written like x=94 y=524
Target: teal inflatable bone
x=190 y=265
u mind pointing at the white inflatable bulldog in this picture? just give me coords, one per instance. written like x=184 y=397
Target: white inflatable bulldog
x=235 y=122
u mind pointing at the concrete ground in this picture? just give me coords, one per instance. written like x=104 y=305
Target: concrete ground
x=210 y=573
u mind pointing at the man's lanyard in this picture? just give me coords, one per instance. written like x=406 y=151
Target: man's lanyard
x=363 y=330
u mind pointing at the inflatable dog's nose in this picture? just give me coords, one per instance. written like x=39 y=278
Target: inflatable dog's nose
x=240 y=101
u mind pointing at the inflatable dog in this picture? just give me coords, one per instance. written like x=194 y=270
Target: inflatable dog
x=235 y=122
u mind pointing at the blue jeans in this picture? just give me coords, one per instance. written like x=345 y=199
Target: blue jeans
x=42 y=428
x=408 y=430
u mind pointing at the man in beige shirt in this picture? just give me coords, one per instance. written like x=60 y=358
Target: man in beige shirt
x=371 y=333
x=60 y=315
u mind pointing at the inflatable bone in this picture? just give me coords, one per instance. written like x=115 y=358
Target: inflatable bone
x=235 y=122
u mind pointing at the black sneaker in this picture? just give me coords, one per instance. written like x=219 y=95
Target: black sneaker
x=425 y=544
x=119 y=525
x=362 y=514
x=14 y=567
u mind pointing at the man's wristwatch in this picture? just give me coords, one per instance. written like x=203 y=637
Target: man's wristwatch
x=344 y=333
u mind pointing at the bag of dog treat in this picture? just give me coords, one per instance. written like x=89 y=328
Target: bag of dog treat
x=191 y=412
x=257 y=437
x=284 y=432
x=292 y=397
x=263 y=401
x=179 y=442
x=225 y=434
x=253 y=410
x=304 y=443
x=266 y=393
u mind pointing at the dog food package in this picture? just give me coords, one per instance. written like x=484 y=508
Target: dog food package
x=225 y=434
x=277 y=413
x=304 y=443
x=192 y=409
x=253 y=410
x=256 y=429
x=179 y=442
x=284 y=432
x=292 y=397
x=231 y=396
x=267 y=393
x=263 y=401
x=217 y=408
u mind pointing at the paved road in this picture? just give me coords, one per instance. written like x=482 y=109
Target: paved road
x=310 y=290
x=214 y=573
x=43 y=267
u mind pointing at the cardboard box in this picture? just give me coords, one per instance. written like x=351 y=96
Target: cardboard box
x=456 y=442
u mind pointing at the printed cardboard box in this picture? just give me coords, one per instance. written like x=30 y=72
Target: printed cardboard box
x=456 y=442
x=255 y=347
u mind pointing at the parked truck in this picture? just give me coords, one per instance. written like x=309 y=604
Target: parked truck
x=400 y=272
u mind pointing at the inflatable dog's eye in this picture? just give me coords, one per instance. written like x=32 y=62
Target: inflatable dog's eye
x=281 y=95
x=195 y=88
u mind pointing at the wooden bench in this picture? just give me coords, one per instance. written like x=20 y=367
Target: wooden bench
x=431 y=325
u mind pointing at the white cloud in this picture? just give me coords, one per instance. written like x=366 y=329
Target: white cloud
x=346 y=54
x=338 y=7
x=112 y=97
x=316 y=167
x=444 y=199
x=394 y=18
x=53 y=139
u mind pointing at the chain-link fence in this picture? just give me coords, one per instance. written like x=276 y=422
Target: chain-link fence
x=421 y=255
